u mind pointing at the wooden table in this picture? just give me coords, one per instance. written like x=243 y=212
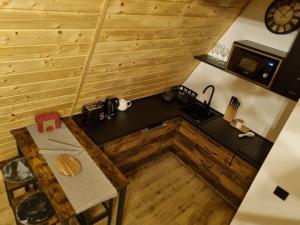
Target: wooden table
x=47 y=180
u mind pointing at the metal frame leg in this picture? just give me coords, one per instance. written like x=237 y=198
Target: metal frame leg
x=19 y=152
x=110 y=211
x=10 y=196
x=121 y=204
x=81 y=219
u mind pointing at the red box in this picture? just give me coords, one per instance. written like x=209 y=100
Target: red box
x=47 y=121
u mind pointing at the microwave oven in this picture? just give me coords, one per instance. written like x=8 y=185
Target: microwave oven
x=255 y=62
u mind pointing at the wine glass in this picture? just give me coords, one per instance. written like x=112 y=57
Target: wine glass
x=225 y=53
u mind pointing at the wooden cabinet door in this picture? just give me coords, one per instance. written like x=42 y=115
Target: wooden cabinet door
x=242 y=172
x=209 y=171
x=205 y=144
x=162 y=132
x=133 y=150
x=227 y=173
x=123 y=148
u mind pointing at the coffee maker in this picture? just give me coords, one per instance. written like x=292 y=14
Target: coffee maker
x=111 y=106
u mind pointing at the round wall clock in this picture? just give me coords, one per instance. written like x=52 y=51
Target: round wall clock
x=283 y=16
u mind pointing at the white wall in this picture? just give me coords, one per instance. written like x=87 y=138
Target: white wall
x=263 y=111
x=282 y=167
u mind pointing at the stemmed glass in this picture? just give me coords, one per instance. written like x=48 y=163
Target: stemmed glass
x=225 y=54
x=220 y=52
x=221 y=49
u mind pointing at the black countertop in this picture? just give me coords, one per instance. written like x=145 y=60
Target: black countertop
x=254 y=150
x=147 y=112
x=143 y=113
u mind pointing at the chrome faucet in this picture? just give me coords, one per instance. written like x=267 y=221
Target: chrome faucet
x=211 y=95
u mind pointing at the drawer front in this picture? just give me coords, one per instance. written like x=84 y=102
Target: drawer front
x=210 y=172
x=204 y=143
x=123 y=144
x=242 y=172
x=162 y=131
x=236 y=168
x=131 y=151
x=137 y=157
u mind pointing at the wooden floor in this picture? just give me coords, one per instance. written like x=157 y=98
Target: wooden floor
x=6 y=214
x=166 y=192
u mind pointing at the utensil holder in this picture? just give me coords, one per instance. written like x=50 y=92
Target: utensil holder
x=229 y=114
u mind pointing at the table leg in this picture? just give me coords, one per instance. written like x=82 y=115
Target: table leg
x=110 y=211
x=121 y=204
x=10 y=196
x=19 y=152
x=81 y=219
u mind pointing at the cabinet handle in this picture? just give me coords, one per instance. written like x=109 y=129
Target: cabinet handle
x=156 y=127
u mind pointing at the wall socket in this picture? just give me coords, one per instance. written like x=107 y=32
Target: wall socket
x=281 y=193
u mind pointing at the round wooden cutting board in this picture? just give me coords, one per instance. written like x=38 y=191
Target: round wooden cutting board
x=67 y=165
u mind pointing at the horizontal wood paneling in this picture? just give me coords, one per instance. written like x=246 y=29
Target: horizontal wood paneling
x=144 y=47
x=61 y=5
x=21 y=19
x=139 y=40
x=124 y=46
x=44 y=36
x=43 y=46
x=226 y=3
x=34 y=65
x=17 y=90
x=169 y=8
x=162 y=33
x=149 y=54
x=118 y=66
x=42 y=51
x=8 y=147
x=122 y=21
x=25 y=78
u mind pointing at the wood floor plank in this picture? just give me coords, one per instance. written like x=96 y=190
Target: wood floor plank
x=7 y=217
x=6 y=213
x=166 y=192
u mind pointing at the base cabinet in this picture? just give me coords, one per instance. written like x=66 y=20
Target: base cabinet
x=219 y=167
x=226 y=172
x=132 y=150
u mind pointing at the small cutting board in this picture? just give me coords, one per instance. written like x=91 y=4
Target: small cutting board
x=67 y=165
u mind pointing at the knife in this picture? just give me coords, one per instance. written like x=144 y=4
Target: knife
x=231 y=101
x=234 y=102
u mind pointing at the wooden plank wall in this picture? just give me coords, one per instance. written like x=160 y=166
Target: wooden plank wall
x=147 y=46
x=144 y=47
x=43 y=45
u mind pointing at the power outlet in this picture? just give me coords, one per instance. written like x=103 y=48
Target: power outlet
x=281 y=193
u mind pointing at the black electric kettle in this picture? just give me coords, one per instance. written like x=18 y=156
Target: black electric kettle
x=111 y=105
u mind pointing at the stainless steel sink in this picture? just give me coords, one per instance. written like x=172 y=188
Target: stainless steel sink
x=199 y=113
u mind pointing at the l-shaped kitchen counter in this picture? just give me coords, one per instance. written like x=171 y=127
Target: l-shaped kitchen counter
x=152 y=111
